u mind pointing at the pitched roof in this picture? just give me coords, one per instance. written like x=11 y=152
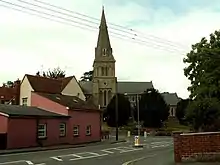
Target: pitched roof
x=48 y=85
x=170 y=98
x=18 y=110
x=133 y=87
x=72 y=102
x=123 y=86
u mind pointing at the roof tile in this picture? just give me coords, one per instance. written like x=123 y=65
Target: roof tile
x=48 y=85
x=18 y=110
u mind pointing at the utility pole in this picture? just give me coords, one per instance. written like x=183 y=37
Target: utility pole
x=138 y=115
x=116 y=111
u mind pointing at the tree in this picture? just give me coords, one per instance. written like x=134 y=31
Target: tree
x=204 y=114
x=8 y=84
x=181 y=110
x=55 y=73
x=203 y=71
x=87 y=76
x=153 y=108
x=124 y=109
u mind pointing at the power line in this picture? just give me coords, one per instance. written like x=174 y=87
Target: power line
x=127 y=30
x=79 y=23
x=135 y=32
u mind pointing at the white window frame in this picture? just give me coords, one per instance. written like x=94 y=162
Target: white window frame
x=76 y=130
x=62 y=128
x=42 y=130
x=24 y=101
x=88 y=130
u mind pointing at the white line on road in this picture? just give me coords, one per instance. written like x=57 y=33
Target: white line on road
x=87 y=157
x=135 y=160
x=131 y=150
x=77 y=156
x=106 y=150
x=56 y=158
x=13 y=162
x=29 y=162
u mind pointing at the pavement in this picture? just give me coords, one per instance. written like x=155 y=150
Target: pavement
x=155 y=151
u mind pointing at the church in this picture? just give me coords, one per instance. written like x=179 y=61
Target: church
x=104 y=84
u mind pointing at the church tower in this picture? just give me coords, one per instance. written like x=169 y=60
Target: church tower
x=104 y=80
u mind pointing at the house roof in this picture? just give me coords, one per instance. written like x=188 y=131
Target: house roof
x=123 y=86
x=48 y=85
x=7 y=93
x=170 y=98
x=72 y=102
x=18 y=110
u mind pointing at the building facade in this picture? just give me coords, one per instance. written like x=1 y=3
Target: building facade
x=104 y=84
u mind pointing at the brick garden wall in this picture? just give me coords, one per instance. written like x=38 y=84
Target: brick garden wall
x=196 y=146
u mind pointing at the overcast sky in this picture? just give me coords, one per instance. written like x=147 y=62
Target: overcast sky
x=29 y=43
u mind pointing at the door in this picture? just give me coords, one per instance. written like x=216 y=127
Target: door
x=3 y=140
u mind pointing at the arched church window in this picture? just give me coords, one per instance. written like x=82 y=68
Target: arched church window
x=105 y=98
x=104 y=52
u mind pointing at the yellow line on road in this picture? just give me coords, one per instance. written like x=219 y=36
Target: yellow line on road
x=138 y=159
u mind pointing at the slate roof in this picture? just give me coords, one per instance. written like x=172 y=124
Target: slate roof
x=171 y=98
x=72 y=102
x=123 y=86
x=18 y=110
x=48 y=85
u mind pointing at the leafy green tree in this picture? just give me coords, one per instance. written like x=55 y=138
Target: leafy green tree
x=87 y=76
x=124 y=109
x=181 y=110
x=8 y=84
x=204 y=114
x=203 y=67
x=203 y=71
x=55 y=73
x=153 y=108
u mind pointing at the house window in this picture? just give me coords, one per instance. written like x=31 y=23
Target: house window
x=104 y=52
x=42 y=131
x=62 y=129
x=88 y=130
x=24 y=101
x=76 y=130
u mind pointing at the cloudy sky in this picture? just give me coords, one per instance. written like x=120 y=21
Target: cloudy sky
x=149 y=38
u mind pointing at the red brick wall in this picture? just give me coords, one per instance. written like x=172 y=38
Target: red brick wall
x=22 y=132
x=83 y=119
x=3 y=123
x=191 y=145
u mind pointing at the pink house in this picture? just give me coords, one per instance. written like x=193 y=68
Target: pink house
x=51 y=112
x=84 y=124
x=23 y=127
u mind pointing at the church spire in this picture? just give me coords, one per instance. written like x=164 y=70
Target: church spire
x=103 y=38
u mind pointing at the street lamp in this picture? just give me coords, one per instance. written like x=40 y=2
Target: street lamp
x=116 y=111
x=138 y=115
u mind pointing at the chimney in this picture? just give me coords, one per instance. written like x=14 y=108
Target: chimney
x=17 y=85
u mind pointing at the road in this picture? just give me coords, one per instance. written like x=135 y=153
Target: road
x=155 y=151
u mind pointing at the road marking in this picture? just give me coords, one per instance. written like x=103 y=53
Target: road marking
x=138 y=159
x=29 y=162
x=57 y=158
x=13 y=162
x=77 y=156
x=86 y=157
x=106 y=150
x=131 y=150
